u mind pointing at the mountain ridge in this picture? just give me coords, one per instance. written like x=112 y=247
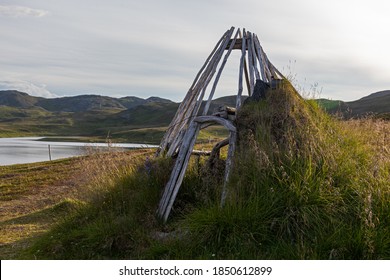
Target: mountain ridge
x=78 y=103
x=130 y=117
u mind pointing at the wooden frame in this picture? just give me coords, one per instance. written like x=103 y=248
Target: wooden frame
x=180 y=138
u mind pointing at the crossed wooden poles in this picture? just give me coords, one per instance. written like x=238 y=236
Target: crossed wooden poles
x=179 y=140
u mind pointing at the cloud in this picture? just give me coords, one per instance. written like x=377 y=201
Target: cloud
x=21 y=11
x=27 y=87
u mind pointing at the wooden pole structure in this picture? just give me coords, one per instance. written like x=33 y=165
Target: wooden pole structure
x=177 y=119
x=181 y=135
x=191 y=110
x=207 y=106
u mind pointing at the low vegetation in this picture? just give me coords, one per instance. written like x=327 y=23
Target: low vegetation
x=304 y=186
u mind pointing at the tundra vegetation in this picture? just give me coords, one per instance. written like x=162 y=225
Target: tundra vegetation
x=305 y=185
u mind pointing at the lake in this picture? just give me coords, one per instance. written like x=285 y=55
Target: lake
x=29 y=149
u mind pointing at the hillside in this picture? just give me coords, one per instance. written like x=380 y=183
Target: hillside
x=84 y=115
x=17 y=99
x=377 y=103
x=303 y=186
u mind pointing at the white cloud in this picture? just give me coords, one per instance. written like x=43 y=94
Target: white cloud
x=27 y=87
x=21 y=11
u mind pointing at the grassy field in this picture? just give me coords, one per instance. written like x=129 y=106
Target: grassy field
x=34 y=197
x=304 y=186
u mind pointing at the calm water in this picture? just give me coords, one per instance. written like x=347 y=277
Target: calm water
x=28 y=149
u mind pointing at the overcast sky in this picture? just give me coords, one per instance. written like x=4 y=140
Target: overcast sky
x=155 y=48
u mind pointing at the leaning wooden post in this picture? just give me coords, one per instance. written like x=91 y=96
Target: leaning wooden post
x=250 y=64
x=228 y=165
x=175 y=123
x=207 y=106
x=177 y=175
x=242 y=65
x=194 y=105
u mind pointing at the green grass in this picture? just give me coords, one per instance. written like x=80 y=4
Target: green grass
x=303 y=186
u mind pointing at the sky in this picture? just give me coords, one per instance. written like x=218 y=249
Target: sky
x=334 y=49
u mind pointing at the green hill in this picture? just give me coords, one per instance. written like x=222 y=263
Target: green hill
x=17 y=99
x=374 y=104
x=84 y=115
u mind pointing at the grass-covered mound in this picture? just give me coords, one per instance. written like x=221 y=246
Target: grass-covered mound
x=304 y=186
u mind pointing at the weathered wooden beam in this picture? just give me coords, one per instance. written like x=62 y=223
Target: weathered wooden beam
x=242 y=65
x=226 y=112
x=176 y=123
x=228 y=165
x=254 y=60
x=213 y=119
x=200 y=153
x=189 y=144
x=207 y=106
x=193 y=106
x=237 y=45
x=177 y=175
x=250 y=64
x=218 y=147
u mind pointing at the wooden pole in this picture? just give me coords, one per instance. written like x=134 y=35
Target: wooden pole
x=173 y=185
x=214 y=119
x=193 y=107
x=260 y=58
x=228 y=165
x=49 y=152
x=172 y=131
x=207 y=106
x=254 y=60
x=242 y=65
x=250 y=64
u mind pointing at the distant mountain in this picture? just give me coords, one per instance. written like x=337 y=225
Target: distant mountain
x=84 y=115
x=151 y=114
x=377 y=103
x=131 y=101
x=14 y=98
x=128 y=117
x=80 y=103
